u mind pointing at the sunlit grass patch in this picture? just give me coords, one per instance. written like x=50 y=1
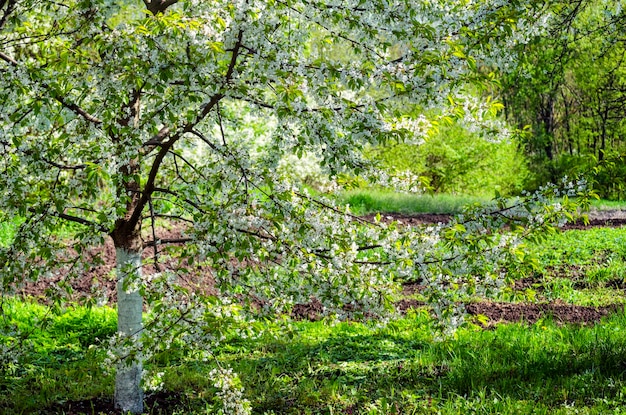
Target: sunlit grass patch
x=365 y=201
x=49 y=357
x=7 y=231
x=604 y=204
x=583 y=267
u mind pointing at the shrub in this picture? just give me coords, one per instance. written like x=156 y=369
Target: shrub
x=456 y=161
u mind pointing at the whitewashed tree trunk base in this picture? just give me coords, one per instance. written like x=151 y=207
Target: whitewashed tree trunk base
x=128 y=392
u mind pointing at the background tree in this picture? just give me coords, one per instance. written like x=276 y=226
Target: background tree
x=119 y=118
x=568 y=88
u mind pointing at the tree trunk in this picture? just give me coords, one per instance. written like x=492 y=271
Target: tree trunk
x=128 y=392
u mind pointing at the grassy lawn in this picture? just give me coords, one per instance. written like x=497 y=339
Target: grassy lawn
x=350 y=368
x=583 y=267
x=374 y=201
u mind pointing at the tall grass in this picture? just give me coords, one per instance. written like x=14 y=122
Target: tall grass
x=374 y=201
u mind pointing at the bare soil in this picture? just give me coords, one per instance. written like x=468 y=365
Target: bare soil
x=597 y=218
x=100 y=280
x=531 y=313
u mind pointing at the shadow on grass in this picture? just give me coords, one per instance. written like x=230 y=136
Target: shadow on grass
x=352 y=369
x=547 y=364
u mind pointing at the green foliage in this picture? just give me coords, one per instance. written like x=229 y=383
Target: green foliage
x=7 y=233
x=568 y=89
x=112 y=117
x=456 y=161
x=364 y=201
x=607 y=176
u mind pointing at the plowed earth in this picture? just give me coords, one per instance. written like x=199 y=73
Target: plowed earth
x=100 y=281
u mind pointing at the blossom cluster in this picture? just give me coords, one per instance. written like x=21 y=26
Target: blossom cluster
x=230 y=392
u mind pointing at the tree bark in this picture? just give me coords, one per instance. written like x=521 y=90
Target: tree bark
x=128 y=392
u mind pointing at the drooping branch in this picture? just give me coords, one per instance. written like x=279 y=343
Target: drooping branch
x=188 y=201
x=189 y=164
x=328 y=29
x=81 y=221
x=76 y=109
x=334 y=209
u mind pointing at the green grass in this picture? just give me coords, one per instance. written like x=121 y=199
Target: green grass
x=583 y=267
x=56 y=363
x=364 y=201
x=375 y=201
x=604 y=204
x=351 y=368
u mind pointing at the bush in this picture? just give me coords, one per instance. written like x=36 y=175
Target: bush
x=607 y=176
x=456 y=161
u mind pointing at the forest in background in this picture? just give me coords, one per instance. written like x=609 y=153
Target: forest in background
x=565 y=99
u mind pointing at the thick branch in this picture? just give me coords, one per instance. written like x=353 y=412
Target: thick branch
x=76 y=109
x=157 y=139
x=81 y=221
x=158 y=6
